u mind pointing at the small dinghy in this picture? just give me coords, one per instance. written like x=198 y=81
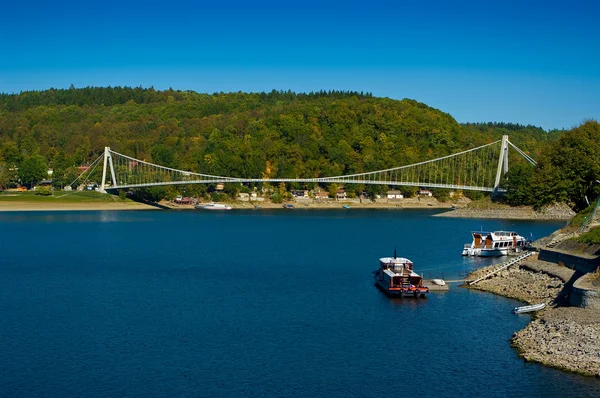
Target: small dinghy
x=439 y=282
x=529 y=308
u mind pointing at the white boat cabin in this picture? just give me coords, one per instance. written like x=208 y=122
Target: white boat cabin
x=494 y=243
x=399 y=272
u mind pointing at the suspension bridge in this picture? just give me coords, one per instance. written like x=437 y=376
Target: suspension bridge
x=477 y=169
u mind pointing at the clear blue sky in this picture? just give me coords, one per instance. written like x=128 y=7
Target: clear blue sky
x=529 y=62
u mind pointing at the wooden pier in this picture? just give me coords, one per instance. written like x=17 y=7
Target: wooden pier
x=436 y=288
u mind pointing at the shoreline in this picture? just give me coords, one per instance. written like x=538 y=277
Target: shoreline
x=560 y=336
x=555 y=212
x=61 y=206
x=461 y=209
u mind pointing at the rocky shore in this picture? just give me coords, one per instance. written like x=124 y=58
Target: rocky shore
x=505 y=212
x=567 y=338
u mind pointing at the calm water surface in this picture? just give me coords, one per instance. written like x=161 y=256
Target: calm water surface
x=253 y=303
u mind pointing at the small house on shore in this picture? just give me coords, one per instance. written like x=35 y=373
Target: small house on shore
x=394 y=194
x=184 y=201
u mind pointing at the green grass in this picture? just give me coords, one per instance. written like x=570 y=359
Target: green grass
x=59 y=197
x=580 y=217
x=592 y=236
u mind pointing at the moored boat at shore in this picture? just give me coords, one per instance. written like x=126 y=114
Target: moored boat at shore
x=213 y=206
x=529 y=308
x=494 y=244
x=396 y=278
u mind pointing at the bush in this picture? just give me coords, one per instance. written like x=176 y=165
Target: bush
x=218 y=197
x=443 y=195
x=276 y=198
x=45 y=191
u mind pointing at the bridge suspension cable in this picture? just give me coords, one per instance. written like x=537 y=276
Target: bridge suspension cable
x=477 y=169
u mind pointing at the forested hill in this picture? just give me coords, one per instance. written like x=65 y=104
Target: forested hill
x=283 y=134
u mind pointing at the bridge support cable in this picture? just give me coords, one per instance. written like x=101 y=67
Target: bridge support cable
x=527 y=157
x=91 y=167
x=471 y=169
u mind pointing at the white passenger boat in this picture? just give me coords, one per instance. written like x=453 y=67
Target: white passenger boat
x=494 y=244
x=529 y=308
x=213 y=206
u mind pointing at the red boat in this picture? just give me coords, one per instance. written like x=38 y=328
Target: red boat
x=396 y=278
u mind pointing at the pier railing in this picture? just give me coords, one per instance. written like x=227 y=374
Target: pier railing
x=502 y=267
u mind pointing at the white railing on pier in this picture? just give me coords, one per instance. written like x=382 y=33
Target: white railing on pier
x=502 y=267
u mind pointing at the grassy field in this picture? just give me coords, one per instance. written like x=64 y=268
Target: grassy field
x=60 y=197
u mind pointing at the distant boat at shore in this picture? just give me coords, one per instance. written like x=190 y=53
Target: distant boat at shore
x=346 y=206
x=288 y=206
x=213 y=206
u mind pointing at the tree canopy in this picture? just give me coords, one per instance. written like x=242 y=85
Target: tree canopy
x=279 y=133
x=33 y=169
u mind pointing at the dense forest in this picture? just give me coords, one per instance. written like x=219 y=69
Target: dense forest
x=287 y=134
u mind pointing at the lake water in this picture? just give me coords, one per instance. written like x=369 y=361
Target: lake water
x=256 y=303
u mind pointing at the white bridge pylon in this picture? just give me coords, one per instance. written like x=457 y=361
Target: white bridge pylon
x=477 y=169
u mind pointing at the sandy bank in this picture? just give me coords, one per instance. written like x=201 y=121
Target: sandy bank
x=62 y=206
x=411 y=203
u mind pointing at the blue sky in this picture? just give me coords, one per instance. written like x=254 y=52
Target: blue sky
x=528 y=62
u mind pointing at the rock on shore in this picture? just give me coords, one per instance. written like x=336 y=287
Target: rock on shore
x=567 y=338
x=564 y=338
x=554 y=212
x=532 y=281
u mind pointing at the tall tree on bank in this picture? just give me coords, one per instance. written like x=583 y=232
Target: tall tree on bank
x=517 y=183
x=33 y=169
x=4 y=175
x=568 y=171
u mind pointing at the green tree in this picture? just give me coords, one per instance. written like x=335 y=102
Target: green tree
x=518 y=185
x=443 y=195
x=567 y=171
x=5 y=175
x=333 y=188
x=11 y=154
x=33 y=169
x=374 y=190
x=163 y=155
x=408 y=191
x=276 y=198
